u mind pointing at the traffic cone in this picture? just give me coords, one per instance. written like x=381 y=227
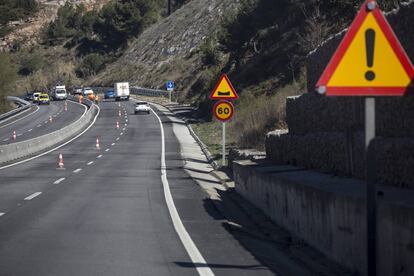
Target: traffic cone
x=66 y=106
x=61 y=165
x=119 y=104
x=14 y=136
x=117 y=124
x=98 y=147
x=50 y=119
x=119 y=113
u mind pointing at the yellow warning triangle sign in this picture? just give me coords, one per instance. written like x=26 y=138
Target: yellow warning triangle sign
x=224 y=90
x=370 y=60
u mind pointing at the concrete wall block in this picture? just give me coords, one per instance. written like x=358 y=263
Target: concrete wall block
x=329 y=214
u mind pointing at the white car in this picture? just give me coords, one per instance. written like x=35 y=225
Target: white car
x=142 y=107
x=87 y=91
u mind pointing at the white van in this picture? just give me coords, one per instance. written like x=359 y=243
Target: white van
x=60 y=93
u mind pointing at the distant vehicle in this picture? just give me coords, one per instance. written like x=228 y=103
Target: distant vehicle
x=109 y=94
x=29 y=96
x=43 y=99
x=142 y=107
x=86 y=91
x=77 y=91
x=59 y=93
x=36 y=96
x=121 y=91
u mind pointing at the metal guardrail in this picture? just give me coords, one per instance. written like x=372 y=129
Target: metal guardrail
x=23 y=106
x=15 y=151
x=137 y=91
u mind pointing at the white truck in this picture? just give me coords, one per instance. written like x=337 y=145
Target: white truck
x=59 y=93
x=121 y=90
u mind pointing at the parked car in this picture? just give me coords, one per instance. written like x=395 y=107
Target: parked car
x=44 y=99
x=109 y=94
x=142 y=107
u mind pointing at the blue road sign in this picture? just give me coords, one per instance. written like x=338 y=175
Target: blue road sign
x=170 y=85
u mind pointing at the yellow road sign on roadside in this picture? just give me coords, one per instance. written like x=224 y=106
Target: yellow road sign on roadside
x=224 y=90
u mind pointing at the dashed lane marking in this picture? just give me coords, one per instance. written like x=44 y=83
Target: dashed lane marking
x=38 y=125
x=77 y=170
x=2 y=214
x=30 y=130
x=117 y=139
x=107 y=150
x=30 y=197
x=113 y=144
x=59 y=180
x=121 y=133
x=99 y=156
x=90 y=163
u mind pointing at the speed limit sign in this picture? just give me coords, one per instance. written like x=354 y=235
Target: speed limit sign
x=223 y=110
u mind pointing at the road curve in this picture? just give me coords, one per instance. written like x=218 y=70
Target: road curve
x=39 y=121
x=105 y=213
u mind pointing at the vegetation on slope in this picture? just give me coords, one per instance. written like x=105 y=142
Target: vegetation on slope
x=263 y=47
x=13 y=10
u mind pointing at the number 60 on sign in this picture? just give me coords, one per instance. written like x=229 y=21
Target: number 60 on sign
x=223 y=110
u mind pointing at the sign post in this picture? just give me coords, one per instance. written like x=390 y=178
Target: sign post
x=369 y=62
x=223 y=110
x=170 y=87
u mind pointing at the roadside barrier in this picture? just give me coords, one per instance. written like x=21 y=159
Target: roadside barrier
x=23 y=106
x=15 y=151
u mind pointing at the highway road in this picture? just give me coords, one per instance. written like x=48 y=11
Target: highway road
x=106 y=213
x=36 y=121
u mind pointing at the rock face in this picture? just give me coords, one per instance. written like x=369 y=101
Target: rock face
x=26 y=32
x=327 y=133
x=168 y=49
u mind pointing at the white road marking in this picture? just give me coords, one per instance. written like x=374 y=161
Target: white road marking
x=20 y=113
x=90 y=163
x=113 y=144
x=30 y=197
x=107 y=150
x=123 y=129
x=121 y=133
x=202 y=267
x=20 y=134
x=30 y=130
x=59 y=180
x=62 y=145
x=117 y=139
x=39 y=125
x=77 y=170
x=99 y=156
x=2 y=214
x=7 y=139
x=126 y=124
x=46 y=122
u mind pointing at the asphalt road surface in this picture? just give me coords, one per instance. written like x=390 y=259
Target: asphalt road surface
x=36 y=121
x=106 y=213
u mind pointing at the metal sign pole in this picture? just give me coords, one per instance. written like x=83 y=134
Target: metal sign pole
x=224 y=144
x=169 y=95
x=371 y=190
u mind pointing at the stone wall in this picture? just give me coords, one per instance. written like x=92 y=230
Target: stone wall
x=327 y=133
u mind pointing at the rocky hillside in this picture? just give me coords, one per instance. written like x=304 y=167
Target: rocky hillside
x=170 y=49
x=25 y=33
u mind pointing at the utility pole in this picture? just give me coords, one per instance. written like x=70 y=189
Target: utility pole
x=169 y=7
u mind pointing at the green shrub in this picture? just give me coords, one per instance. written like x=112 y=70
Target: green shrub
x=30 y=63
x=90 y=65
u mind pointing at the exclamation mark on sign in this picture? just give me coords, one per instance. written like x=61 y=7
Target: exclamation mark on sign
x=370 y=48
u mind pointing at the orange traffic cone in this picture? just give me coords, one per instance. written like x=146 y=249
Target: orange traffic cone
x=119 y=113
x=66 y=106
x=61 y=165
x=98 y=147
x=14 y=136
x=50 y=119
x=117 y=124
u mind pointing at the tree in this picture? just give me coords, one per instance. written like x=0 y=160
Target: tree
x=8 y=75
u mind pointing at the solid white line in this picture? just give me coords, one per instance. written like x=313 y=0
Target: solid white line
x=113 y=144
x=99 y=156
x=77 y=170
x=20 y=113
x=62 y=145
x=2 y=214
x=30 y=130
x=202 y=267
x=90 y=163
x=59 y=180
x=107 y=150
x=30 y=197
